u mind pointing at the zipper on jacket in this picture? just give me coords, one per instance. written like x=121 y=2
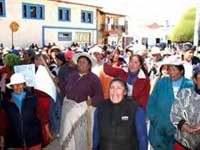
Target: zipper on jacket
x=22 y=130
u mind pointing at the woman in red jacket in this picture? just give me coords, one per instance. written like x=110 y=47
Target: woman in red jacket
x=136 y=78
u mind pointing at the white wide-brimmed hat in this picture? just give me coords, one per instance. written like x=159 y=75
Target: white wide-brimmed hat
x=155 y=50
x=174 y=60
x=16 y=78
x=77 y=55
x=95 y=49
x=167 y=51
x=55 y=48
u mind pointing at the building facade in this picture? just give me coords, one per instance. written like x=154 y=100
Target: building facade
x=48 y=21
x=112 y=27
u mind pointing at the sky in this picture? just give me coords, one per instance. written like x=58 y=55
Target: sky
x=146 y=10
x=140 y=12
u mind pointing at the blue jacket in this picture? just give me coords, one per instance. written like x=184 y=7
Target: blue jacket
x=158 y=111
x=24 y=126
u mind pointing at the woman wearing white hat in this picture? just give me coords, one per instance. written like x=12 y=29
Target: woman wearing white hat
x=161 y=133
x=22 y=114
x=83 y=83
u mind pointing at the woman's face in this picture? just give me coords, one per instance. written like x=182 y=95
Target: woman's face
x=197 y=80
x=164 y=70
x=59 y=62
x=18 y=88
x=117 y=92
x=134 y=64
x=174 y=73
x=188 y=55
x=115 y=57
x=83 y=65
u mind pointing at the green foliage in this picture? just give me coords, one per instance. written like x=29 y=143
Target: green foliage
x=184 y=30
x=11 y=60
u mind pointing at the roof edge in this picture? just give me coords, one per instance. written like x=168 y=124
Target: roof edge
x=115 y=14
x=75 y=3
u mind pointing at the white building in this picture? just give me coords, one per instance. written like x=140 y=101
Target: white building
x=44 y=21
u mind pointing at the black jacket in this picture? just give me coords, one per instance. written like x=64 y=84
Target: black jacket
x=24 y=126
x=116 y=125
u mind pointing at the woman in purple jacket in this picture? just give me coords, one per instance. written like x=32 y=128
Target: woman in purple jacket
x=83 y=84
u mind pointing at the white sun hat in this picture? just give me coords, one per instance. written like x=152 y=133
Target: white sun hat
x=155 y=50
x=16 y=78
x=174 y=60
x=95 y=49
x=77 y=55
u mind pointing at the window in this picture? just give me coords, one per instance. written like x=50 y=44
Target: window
x=2 y=8
x=32 y=11
x=86 y=16
x=64 y=14
x=64 y=36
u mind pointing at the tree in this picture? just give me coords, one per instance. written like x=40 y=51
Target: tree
x=184 y=30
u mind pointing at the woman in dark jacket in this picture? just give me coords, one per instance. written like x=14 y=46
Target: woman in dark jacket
x=119 y=123
x=22 y=115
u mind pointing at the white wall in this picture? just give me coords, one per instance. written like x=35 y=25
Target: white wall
x=30 y=30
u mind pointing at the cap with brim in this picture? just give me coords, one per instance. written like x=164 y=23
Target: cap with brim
x=16 y=78
x=61 y=56
x=130 y=48
x=6 y=50
x=95 y=49
x=186 y=47
x=55 y=48
x=167 y=51
x=155 y=50
x=77 y=55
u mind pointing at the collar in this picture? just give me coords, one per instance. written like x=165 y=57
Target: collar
x=197 y=90
x=141 y=74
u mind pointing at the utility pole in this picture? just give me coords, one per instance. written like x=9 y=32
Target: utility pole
x=197 y=24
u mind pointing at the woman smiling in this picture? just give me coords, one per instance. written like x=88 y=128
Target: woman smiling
x=123 y=126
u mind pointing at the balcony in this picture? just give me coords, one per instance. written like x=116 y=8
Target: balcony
x=113 y=27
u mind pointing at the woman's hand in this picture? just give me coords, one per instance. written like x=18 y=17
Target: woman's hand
x=192 y=129
x=196 y=129
x=89 y=101
x=50 y=136
x=2 y=142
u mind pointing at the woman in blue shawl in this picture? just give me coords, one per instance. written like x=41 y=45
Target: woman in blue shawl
x=161 y=134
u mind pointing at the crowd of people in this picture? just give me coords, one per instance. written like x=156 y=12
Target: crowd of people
x=131 y=88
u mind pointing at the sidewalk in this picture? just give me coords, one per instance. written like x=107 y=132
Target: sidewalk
x=55 y=145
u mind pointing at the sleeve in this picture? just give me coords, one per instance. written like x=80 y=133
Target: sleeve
x=95 y=145
x=151 y=111
x=4 y=123
x=144 y=96
x=141 y=129
x=111 y=71
x=97 y=94
x=43 y=108
x=179 y=114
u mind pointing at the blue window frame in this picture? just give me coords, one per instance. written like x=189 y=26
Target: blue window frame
x=2 y=8
x=64 y=36
x=33 y=11
x=64 y=14
x=86 y=16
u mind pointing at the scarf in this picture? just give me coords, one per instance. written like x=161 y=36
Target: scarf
x=132 y=77
x=18 y=98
